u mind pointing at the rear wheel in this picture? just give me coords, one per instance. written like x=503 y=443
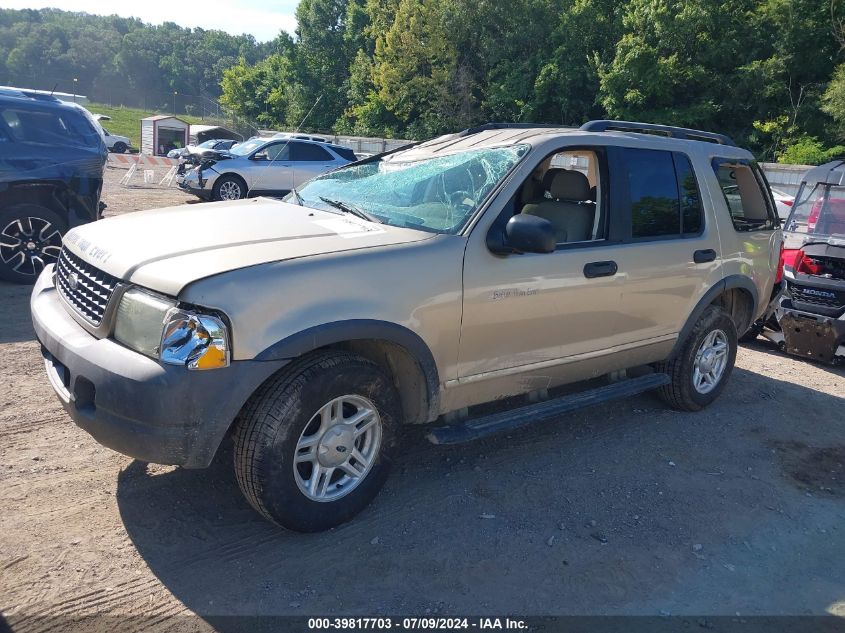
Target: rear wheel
x=315 y=443
x=30 y=239
x=119 y=147
x=700 y=370
x=229 y=188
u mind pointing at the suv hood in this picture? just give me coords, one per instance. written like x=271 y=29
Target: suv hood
x=166 y=249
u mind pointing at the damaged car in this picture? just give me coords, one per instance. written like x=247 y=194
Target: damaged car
x=810 y=312
x=262 y=167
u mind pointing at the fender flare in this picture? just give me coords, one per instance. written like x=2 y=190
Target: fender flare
x=326 y=334
x=728 y=283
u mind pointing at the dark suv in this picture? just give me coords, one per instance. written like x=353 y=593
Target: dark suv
x=52 y=158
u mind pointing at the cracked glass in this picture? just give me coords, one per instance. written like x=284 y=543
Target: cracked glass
x=438 y=194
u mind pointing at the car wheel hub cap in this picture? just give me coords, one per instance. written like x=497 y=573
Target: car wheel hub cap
x=29 y=244
x=710 y=363
x=337 y=448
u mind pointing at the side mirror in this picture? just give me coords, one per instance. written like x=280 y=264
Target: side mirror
x=260 y=156
x=529 y=234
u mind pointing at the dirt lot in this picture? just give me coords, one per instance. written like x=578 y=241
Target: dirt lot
x=628 y=508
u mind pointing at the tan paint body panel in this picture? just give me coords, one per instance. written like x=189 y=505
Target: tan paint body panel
x=166 y=249
x=496 y=326
x=415 y=285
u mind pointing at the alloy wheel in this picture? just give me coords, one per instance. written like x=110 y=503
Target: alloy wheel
x=28 y=244
x=710 y=362
x=230 y=190
x=337 y=448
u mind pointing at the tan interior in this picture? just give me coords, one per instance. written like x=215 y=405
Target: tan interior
x=753 y=204
x=564 y=189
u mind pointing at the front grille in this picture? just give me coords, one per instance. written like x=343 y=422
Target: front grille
x=84 y=287
x=800 y=294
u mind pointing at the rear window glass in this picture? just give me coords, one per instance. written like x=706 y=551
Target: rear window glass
x=743 y=190
x=664 y=194
x=48 y=127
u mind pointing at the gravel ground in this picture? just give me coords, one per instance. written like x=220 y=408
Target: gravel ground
x=628 y=508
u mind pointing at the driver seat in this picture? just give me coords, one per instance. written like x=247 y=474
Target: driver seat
x=571 y=218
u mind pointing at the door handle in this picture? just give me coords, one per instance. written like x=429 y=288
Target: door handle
x=600 y=269
x=704 y=256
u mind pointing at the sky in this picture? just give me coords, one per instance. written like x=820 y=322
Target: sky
x=260 y=18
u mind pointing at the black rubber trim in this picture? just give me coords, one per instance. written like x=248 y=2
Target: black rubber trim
x=358 y=329
x=543 y=411
x=728 y=283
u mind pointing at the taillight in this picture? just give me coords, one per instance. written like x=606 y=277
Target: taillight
x=788 y=203
x=779 y=274
x=806 y=265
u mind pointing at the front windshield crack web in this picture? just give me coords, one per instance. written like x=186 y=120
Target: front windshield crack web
x=438 y=194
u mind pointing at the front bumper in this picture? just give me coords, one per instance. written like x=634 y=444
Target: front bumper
x=131 y=403
x=200 y=187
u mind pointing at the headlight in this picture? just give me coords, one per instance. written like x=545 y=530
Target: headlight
x=140 y=319
x=197 y=341
x=153 y=325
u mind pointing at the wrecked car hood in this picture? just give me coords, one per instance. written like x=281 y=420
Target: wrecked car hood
x=166 y=249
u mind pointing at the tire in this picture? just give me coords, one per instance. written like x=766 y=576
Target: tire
x=30 y=238
x=229 y=187
x=281 y=420
x=681 y=393
x=119 y=148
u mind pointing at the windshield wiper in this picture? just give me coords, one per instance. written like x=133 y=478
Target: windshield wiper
x=297 y=197
x=348 y=208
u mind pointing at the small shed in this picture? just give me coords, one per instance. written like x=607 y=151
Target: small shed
x=201 y=133
x=162 y=133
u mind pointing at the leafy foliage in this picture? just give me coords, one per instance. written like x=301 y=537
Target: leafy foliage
x=770 y=73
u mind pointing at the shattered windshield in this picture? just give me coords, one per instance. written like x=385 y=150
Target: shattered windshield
x=435 y=194
x=819 y=211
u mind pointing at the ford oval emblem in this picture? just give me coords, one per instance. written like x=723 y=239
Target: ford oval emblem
x=73 y=281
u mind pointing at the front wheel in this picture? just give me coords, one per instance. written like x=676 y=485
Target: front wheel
x=30 y=239
x=315 y=443
x=229 y=188
x=700 y=370
x=119 y=148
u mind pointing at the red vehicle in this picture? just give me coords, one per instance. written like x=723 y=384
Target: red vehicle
x=809 y=315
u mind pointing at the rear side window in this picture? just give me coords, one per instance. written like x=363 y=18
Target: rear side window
x=308 y=152
x=743 y=188
x=664 y=194
x=345 y=152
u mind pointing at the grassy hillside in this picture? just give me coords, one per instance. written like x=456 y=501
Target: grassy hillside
x=127 y=121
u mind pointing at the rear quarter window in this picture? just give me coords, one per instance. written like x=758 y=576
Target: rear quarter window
x=744 y=191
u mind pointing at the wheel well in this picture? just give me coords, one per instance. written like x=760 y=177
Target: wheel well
x=45 y=194
x=739 y=304
x=402 y=368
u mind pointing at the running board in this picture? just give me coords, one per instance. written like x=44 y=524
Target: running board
x=533 y=413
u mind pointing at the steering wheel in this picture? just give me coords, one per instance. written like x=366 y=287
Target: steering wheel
x=461 y=200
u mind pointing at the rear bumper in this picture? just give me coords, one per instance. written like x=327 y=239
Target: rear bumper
x=131 y=403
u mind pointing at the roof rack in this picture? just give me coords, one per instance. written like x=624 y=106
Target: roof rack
x=508 y=126
x=650 y=128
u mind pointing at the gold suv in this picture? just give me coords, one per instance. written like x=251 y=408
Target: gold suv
x=407 y=288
